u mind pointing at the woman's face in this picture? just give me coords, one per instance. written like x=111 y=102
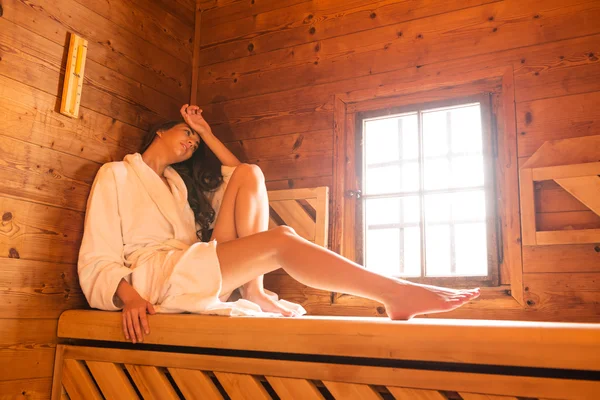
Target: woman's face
x=180 y=141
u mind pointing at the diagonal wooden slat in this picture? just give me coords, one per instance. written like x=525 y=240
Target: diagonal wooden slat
x=78 y=382
x=586 y=189
x=478 y=396
x=63 y=394
x=112 y=381
x=151 y=382
x=351 y=391
x=312 y=201
x=295 y=216
x=415 y=394
x=291 y=388
x=195 y=384
x=242 y=387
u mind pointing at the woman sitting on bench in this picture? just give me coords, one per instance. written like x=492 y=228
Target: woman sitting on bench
x=154 y=220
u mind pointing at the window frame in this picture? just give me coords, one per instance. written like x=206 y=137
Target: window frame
x=490 y=154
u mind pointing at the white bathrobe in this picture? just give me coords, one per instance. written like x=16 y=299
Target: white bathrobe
x=135 y=228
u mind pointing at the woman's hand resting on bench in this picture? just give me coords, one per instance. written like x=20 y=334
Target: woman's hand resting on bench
x=135 y=321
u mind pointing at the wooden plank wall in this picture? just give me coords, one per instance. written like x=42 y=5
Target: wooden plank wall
x=269 y=70
x=138 y=72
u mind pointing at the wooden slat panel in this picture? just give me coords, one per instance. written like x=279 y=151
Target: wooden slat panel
x=300 y=183
x=567 y=220
x=415 y=394
x=36 y=289
x=551 y=198
x=29 y=114
x=561 y=258
x=111 y=380
x=78 y=382
x=148 y=21
x=247 y=76
x=433 y=380
x=151 y=382
x=109 y=44
x=568 y=237
x=272 y=147
x=565 y=151
x=572 y=295
x=291 y=389
x=294 y=215
x=444 y=340
x=566 y=171
x=45 y=176
x=195 y=384
x=38 y=62
x=527 y=207
x=557 y=118
x=289 y=26
x=27 y=362
x=37 y=232
x=32 y=388
x=585 y=188
x=477 y=396
x=239 y=386
x=228 y=11
x=351 y=391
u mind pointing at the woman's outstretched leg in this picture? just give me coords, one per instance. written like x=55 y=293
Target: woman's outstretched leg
x=245 y=258
x=245 y=211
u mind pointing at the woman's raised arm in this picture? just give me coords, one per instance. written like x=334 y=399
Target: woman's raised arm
x=193 y=117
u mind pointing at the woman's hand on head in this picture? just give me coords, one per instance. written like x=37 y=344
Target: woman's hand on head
x=192 y=115
x=135 y=320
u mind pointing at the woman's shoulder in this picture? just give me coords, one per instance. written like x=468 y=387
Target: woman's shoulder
x=111 y=170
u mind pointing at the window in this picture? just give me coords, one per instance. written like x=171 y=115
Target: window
x=427 y=209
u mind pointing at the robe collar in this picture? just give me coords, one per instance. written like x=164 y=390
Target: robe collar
x=172 y=204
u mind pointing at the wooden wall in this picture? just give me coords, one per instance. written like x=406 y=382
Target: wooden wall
x=269 y=70
x=138 y=72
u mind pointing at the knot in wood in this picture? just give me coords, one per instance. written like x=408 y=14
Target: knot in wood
x=597 y=249
x=7 y=216
x=381 y=310
x=250 y=47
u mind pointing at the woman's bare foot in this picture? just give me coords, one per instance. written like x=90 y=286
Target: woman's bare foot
x=267 y=301
x=414 y=299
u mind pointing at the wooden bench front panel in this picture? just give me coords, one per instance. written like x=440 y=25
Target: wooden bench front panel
x=94 y=373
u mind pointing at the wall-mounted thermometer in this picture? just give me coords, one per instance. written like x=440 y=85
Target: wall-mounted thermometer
x=73 y=85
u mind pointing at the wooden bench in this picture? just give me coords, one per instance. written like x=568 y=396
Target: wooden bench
x=209 y=357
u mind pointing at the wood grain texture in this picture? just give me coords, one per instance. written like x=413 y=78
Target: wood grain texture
x=78 y=382
x=290 y=388
x=242 y=387
x=562 y=258
x=37 y=289
x=111 y=380
x=352 y=391
x=469 y=382
x=339 y=58
x=34 y=389
x=151 y=382
x=37 y=232
x=195 y=384
x=110 y=45
x=415 y=394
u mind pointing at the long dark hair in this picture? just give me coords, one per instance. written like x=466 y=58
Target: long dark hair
x=201 y=173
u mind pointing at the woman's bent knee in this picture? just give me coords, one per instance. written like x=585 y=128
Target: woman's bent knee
x=251 y=171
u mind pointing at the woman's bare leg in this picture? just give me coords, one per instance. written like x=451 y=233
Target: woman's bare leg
x=245 y=258
x=245 y=211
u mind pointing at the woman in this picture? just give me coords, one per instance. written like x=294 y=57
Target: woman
x=142 y=251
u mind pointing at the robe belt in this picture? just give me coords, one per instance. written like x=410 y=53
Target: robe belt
x=141 y=255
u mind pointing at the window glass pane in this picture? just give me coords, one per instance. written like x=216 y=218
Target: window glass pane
x=382 y=211
x=465 y=125
x=409 y=137
x=383 y=253
x=383 y=180
x=411 y=256
x=437 y=173
x=468 y=206
x=435 y=138
x=381 y=140
x=437 y=242
x=438 y=208
x=410 y=177
x=471 y=249
x=411 y=210
x=467 y=171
